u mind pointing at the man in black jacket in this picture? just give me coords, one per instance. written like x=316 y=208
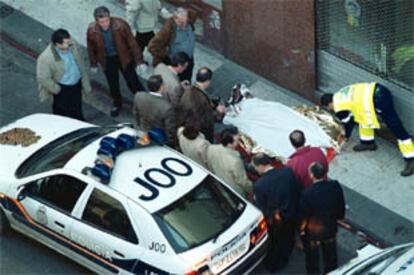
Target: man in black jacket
x=276 y=193
x=321 y=205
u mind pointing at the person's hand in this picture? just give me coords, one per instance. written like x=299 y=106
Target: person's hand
x=141 y=68
x=221 y=108
x=94 y=70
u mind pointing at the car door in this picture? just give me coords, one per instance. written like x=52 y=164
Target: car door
x=104 y=228
x=49 y=202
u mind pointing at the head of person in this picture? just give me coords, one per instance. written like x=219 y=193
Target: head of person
x=155 y=83
x=102 y=17
x=61 y=39
x=181 y=17
x=180 y=61
x=191 y=129
x=262 y=163
x=327 y=101
x=316 y=171
x=297 y=139
x=230 y=137
x=203 y=77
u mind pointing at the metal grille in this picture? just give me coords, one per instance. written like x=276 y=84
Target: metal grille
x=375 y=35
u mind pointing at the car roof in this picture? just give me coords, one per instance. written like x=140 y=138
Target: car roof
x=44 y=127
x=131 y=170
x=140 y=171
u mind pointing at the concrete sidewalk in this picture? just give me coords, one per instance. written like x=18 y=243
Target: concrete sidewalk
x=378 y=199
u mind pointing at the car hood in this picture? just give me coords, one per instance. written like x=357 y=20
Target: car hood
x=44 y=128
x=404 y=264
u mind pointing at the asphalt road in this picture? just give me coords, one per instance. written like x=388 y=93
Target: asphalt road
x=18 y=98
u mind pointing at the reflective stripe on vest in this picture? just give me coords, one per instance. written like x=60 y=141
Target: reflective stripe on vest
x=358 y=99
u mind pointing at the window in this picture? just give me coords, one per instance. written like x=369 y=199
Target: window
x=204 y=213
x=375 y=35
x=60 y=191
x=58 y=152
x=108 y=214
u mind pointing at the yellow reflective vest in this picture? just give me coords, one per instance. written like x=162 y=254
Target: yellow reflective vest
x=358 y=99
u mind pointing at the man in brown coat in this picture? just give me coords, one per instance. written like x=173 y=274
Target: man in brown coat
x=177 y=35
x=151 y=110
x=111 y=44
x=195 y=102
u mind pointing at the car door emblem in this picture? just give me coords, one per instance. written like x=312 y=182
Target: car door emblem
x=41 y=215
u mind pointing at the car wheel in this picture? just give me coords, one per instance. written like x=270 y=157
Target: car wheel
x=4 y=223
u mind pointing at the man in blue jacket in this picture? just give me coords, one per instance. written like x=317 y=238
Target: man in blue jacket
x=276 y=193
x=321 y=205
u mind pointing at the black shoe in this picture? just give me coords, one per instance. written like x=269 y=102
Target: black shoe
x=115 y=111
x=408 y=169
x=365 y=147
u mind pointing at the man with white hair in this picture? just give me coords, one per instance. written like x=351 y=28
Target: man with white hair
x=177 y=35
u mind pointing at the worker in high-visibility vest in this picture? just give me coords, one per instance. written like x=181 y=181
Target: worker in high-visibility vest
x=362 y=103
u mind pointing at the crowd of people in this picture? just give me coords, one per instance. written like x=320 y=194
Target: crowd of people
x=298 y=201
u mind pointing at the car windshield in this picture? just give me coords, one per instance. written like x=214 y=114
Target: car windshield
x=202 y=214
x=58 y=152
x=380 y=264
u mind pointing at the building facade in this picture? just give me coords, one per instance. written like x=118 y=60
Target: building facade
x=312 y=46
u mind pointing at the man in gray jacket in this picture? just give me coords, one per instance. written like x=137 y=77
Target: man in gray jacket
x=169 y=73
x=151 y=110
x=62 y=74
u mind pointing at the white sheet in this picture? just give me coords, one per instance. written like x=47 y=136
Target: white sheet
x=270 y=123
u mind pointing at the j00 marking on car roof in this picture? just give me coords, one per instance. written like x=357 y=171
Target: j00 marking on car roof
x=151 y=184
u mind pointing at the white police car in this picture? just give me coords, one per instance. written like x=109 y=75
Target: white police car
x=158 y=213
x=398 y=259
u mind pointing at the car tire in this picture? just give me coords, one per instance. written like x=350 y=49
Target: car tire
x=4 y=223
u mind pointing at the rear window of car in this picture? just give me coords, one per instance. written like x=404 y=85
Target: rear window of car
x=201 y=215
x=58 y=152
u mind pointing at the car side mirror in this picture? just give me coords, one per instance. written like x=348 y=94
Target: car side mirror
x=22 y=189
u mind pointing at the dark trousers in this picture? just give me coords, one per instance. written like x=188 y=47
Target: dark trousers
x=68 y=102
x=188 y=73
x=312 y=252
x=112 y=69
x=143 y=39
x=384 y=106
x=282 y=239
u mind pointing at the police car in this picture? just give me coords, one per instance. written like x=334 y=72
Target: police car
x=398 y=259
x=157 y=213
